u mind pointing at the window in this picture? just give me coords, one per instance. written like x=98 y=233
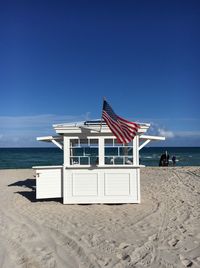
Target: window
x=84 y=151
x=117 y=153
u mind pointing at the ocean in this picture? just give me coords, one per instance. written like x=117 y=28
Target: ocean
x=149 y=156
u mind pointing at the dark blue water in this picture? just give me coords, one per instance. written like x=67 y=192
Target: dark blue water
x=28 y=157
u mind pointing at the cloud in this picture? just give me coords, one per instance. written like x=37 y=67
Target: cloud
x=174 y=137
x=166 y=120
x=166 y=133
x=21 y=131
x=37 y=121
x=157 y=129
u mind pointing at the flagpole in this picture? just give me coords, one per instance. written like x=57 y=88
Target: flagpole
x=101 y=115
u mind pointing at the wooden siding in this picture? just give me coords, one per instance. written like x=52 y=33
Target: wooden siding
x=101 y=186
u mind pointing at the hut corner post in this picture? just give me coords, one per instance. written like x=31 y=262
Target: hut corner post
x=136 y=163
x=66 y=164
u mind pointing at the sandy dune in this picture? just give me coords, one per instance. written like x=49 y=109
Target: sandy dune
x=163 y=231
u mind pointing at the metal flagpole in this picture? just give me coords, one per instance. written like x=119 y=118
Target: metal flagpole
x=101 y=115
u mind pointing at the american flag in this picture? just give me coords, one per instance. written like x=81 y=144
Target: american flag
x=124 y=130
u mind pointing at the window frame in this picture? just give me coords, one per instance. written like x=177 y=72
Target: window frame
x=84 y=146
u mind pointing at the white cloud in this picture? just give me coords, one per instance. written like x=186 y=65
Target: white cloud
x=157 y=129
x=20 y=131
x=166 y=133
x=174 y=137
x=35 y=121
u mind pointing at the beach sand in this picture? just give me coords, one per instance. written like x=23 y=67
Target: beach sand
x=162 y=231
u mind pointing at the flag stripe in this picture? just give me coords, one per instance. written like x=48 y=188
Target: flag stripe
x=129 y=125
x=114 y=128
x=128 y=122
x=118 y=132
x=123 y=129
x=130 y=131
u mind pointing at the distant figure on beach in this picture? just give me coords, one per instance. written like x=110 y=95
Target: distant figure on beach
x=174 y=160
x=164 y=160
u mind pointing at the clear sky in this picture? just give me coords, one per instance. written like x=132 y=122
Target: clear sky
x=59 y=58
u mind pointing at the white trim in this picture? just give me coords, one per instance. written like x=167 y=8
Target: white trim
x=103 y=166
x=79 y=124
x=53 y=139
x=66 y=151
x=149 y=138
x=78 y=128
x=135 y=151
x=159 y=138
x=138 y=185
x=46 y=167
x=49 y=138
x=90 y=129
x=101 y=151
x=57 y=144
x=143 y=144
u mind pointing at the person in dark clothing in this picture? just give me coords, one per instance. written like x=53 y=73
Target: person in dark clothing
x=164 y=160
x=161 y=160
x=174 y=160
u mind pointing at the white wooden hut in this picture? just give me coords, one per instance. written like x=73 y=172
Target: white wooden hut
x=96 y=168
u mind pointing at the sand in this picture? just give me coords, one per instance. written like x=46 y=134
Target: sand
x=162 y=231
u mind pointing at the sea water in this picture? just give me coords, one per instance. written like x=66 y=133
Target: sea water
x=185 y=156
x=149 y=156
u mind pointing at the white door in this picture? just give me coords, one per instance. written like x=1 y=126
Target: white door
x=48 y=183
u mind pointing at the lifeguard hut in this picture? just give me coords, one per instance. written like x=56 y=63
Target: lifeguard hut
x=96 y=168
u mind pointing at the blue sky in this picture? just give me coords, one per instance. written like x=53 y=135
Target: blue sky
x=59 y=58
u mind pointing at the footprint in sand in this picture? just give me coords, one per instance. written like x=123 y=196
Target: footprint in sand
x=143 y=253
x=124 y=245
x=173 y=242
x=186 y=262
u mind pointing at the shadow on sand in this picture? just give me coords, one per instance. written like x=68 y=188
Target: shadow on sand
x=28 y=183
x=31 y=195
